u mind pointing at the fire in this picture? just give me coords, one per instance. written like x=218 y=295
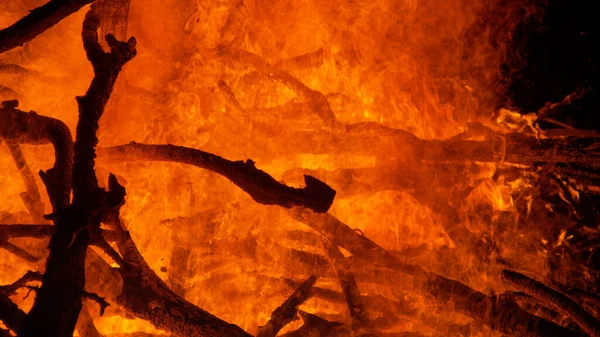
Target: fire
x=301 y=87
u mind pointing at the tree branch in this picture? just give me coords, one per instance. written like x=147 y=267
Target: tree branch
x=288 y=310
x=37 y=21
x=17 y=126
x=10 y=314
x=59 y=299
x=263 y=188
x=553 y=299
x=31 y=197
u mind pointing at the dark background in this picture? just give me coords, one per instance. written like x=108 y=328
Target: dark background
x=560 y=60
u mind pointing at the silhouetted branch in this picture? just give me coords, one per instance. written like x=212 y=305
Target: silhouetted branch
x=263 y=188
x=37 y=21
x=20 y=127
x=59 y=299
x=100 y=300
x=288 y=310
x=10 y=314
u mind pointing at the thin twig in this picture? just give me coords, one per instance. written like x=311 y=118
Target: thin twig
x=100 y=300
x=29 y=276
x=31 y=197
x=18 y=251
x=288 y=310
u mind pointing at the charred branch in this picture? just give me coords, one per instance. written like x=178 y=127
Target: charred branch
x=317 y=327
x=263 y=188
x=229 y=95
x=288 y=310
x=349 y=287
x=581 y=296
x=37 y=21
x=31 y=197
x=18 y=251
x=20 y=127
x=100 y=300
x=85 y=325
x=146 y=296
x=107 y=67
x=316 y=101
x=59 y=299
x=308 y=60
x=553 y=299
x=39 y=232
x=14 y=69
x=10 y=314
x=8 y=92
x=29 y=276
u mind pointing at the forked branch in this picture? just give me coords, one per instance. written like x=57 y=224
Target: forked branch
x=59 y=299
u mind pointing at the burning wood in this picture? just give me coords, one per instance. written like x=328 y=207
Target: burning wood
x=436 y=190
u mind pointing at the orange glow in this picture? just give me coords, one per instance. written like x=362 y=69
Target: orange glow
x=424 y=66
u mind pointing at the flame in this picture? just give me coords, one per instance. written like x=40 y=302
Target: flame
x=247 y=79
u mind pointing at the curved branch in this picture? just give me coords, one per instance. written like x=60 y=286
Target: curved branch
x=18 y=126
x=263 y=188
x=552 y=298
x=37 y=21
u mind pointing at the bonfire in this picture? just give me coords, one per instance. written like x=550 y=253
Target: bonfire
x=287 y=168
